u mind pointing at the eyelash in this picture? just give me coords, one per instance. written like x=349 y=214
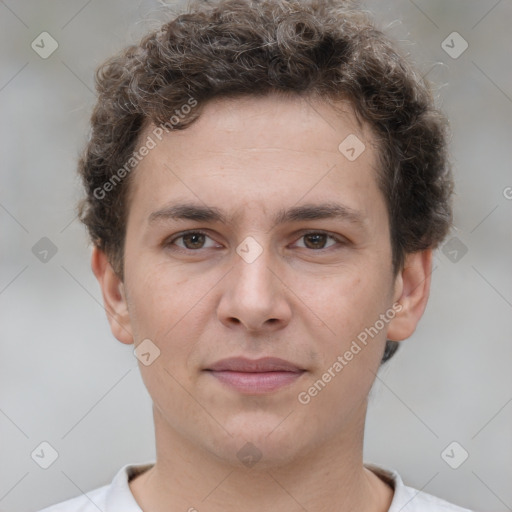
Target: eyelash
x=171 y=241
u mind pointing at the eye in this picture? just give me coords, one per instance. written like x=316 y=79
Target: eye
x=192 y=240
x=316 y=240
x=195 y=240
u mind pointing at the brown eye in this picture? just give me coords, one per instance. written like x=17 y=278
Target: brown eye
x=317 y=240
x=190 y=241
x=193 y=240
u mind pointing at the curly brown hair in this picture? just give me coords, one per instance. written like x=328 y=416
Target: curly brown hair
x=326 y=49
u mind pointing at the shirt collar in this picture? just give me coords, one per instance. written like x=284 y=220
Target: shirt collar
x=119 y=496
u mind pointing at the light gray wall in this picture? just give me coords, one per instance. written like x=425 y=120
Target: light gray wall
x=65 y=380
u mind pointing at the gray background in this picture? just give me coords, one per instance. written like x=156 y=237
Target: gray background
x=67 y=381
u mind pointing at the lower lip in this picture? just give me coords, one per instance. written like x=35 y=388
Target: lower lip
x=256 y=383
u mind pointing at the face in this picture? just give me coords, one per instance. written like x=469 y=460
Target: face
x=283 y=251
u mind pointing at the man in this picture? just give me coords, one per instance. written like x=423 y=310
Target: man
x=266 y=181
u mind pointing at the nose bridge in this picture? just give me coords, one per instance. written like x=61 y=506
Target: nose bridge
x=254 y=258
x=254 y=295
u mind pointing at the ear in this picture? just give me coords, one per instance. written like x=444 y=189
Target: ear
x=114 y=296
x=412 y=288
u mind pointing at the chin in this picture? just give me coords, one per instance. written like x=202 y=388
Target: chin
x=260 y=441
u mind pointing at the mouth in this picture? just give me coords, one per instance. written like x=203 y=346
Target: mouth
x=256 y=376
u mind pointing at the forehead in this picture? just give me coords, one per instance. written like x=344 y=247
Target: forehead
x=260 y=151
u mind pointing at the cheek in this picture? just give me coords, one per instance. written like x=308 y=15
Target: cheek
x=348 y=359
x=159 y=294
x=173 y=311
x=346 y=303
x=154 y=306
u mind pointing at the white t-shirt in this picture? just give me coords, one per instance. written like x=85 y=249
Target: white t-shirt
x=117 y=496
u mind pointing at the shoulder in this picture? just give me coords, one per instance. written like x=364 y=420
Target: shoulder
x=114 y=497
x=90 y=502
x=408 y=499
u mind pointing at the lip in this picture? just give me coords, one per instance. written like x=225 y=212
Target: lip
x=264 y=364
x=255 y=376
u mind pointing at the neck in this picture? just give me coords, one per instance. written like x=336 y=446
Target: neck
x=330 y=476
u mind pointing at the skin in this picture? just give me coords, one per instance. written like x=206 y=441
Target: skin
x=303 y=300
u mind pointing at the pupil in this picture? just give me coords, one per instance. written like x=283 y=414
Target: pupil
x=194 y=236
x=316 y=238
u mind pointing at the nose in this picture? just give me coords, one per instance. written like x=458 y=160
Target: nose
x=254 y=295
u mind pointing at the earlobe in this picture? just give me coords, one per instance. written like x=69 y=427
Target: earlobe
x=114 y=296
x=412 y=288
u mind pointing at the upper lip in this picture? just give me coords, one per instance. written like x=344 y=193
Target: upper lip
x=264 y=364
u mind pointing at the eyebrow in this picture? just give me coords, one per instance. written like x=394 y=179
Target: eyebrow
x=201 y=213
